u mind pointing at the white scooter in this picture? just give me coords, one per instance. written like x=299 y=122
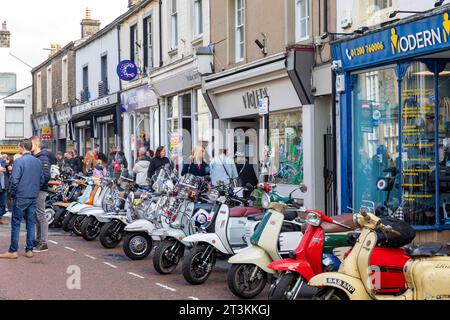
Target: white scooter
x=199 y=262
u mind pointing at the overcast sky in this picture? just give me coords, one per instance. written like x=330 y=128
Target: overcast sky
x=34 y=24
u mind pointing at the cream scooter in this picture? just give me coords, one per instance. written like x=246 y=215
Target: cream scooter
x=427 y=273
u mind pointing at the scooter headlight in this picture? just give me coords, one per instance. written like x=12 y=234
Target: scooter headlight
x=213 y=195
x=313 y=219
x=265 y=201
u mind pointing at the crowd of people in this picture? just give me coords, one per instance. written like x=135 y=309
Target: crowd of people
x=24 y=180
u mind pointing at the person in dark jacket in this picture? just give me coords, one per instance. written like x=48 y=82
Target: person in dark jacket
x=41 y=220
x=50 y=155
x=25 y=183
x=4 y=181
x=78 y=161
x=158 y=162
x=246 y=173
x=196 y=164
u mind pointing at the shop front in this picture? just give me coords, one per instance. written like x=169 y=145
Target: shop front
x=395 y=120
x=247 y=100
x=185 y=118
x=60 y=122
x=140 y=121
x=42 y=127
x=96 y=124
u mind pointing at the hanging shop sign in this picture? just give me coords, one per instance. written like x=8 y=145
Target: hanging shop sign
x=46 y=133
x=127 y=70
x=397 y=42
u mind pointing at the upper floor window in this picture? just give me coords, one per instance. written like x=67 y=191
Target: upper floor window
x=7 y=83
x=174 y=25
x=14 y=121
x=85 y=95
x=148 y=43
x=49 y=88
x=382 y=4
x=239 y=30
x=38 y=92
x=65 y=80
x=198 y=18
x=302 y=20
x=134 y=44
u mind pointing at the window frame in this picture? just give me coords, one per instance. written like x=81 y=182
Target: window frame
x=65 y=80
x=174 y=35
x=49 y=94
x=300 y=19
x=239 y=56
x=39 y=92
x=14 y=123
x=198 y=18
x=134 y=38
x=148 y=43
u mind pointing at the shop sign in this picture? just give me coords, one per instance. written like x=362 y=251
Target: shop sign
x=251 y=98
x=127 y=70
x=14 y=101
x=138 y=98
x=112 y=99
x=62 y=116
x=9 y=149
x=42 y=122
x=418 y=37
x=46 y=133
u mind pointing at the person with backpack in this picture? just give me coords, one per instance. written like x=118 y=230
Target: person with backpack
x=41 y=220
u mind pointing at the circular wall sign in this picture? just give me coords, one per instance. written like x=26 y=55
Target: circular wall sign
x=127 y=70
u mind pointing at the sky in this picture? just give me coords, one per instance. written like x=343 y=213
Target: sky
x=34 y=24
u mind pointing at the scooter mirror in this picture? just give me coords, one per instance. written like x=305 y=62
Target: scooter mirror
x=303 y=188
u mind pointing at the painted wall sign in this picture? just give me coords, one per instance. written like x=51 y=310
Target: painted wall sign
x=127 y=70
x=398 y=42
x=251 y=99
x=112 y=99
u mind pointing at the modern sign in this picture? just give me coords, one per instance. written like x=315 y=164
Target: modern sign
x=419 y=37
x=127 y=70
x=109 y=100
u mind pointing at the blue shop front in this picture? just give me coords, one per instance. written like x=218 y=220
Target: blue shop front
x=395 y=119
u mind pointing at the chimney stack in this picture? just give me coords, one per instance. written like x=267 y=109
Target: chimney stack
x=88 y=25
x=54 y=48
x=132 y=3
x=5 y=36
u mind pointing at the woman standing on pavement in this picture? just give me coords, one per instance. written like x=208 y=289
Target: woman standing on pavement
x=197 y=164
x=158 y=162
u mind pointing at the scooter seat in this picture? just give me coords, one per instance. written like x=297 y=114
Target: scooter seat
x=290 y=214
x=52 y=183
x=61 y=204
x=243 y=212
x=431 y=249
x=346 y=219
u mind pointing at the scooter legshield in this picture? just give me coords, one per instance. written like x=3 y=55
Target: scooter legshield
x=140 y=226
x=301 y=267
x=253 y=255
x=210 y=238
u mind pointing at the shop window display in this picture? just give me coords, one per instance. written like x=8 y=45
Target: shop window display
x=376 y=158
x=418 y=143
x=172 y=129
x=286 y=147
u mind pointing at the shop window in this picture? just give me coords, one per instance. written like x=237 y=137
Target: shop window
x=418 y=143
x=172 y=128
x=203 y=119
x=286 y=147
x=444 y=144
x=143 y=130
x=375 y=134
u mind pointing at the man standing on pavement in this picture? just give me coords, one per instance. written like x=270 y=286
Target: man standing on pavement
x=25 y=183
x=41 y=221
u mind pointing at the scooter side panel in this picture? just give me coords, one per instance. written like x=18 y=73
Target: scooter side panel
x=140 y=226
x=92 y=211
x=210 y=238
x=77 y=208
x=430 y=277
x=298 y=266
x=253 y=255
x=352 y=287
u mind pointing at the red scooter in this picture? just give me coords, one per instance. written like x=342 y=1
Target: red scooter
x=308 y=260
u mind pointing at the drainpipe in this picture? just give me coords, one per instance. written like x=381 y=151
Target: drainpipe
x=160 y=35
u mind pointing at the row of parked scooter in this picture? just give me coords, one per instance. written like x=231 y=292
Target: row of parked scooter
x=267 y=238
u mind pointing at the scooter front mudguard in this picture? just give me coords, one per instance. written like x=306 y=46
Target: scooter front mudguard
x=352 y=287
x=141 y=226
x=253 y=255
x=209 y=238
x=164 y=233
x=301 y=267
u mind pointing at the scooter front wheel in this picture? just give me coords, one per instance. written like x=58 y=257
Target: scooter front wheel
x=285 y=287
x=246 y=281
x=90 y=228
x=78 y=221
x=167 y=256
x=50 y=215
x=111 y=234
x=198 y=264
x=137 y=246
x=66 y=222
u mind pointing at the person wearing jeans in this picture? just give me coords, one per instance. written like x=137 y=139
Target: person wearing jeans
x=42 y=223
x=3 y=189
x=24 y=183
